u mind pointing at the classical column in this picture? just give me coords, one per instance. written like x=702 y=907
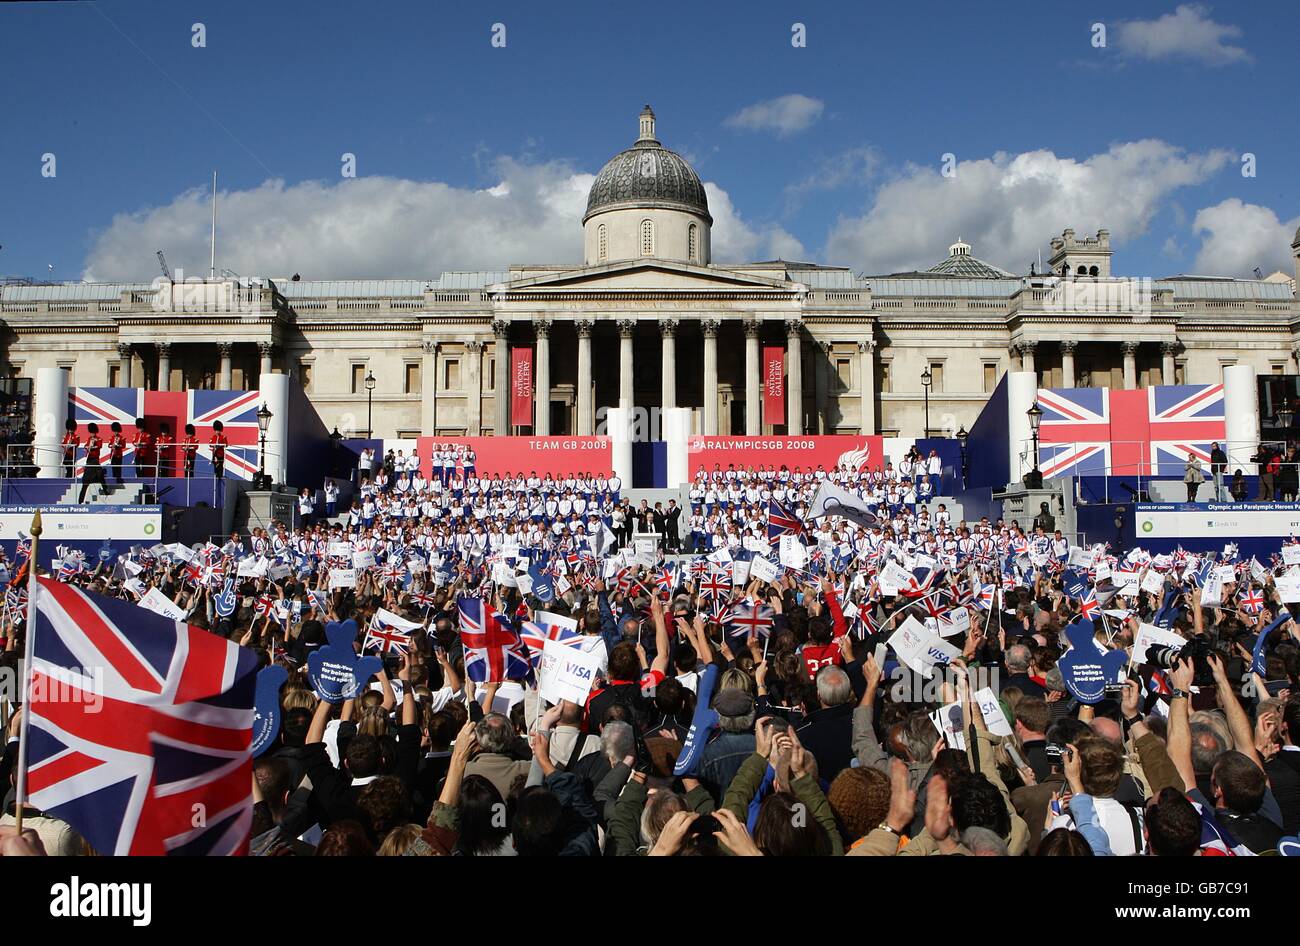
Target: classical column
x=124 y=366
x=474 y=388
x=429 y=388
x=753 y=380
x=1027 y=355
x=542 y=395
x=625 y=329
x=1068 y=346
x=164 y=365
x=226 y=375
x=710 y=329
x=1167 y=350
x=585 y=416
x=1015 y=357
x=668 y=368
x=867 y=380
x=1130 y=365
x=501 y=396
x=794 y=376
x=264 y=349
x=821 y=381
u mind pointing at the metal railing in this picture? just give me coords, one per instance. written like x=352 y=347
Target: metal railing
x=1087 y=460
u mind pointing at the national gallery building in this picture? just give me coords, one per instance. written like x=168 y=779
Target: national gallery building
x=648 y=319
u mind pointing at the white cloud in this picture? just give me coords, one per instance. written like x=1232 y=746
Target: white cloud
x=376 y=227
x=784 y=115
x=1008 y=205
x=1236 y=237
x=735 y=241
x=847 y=168
x=1187 y=33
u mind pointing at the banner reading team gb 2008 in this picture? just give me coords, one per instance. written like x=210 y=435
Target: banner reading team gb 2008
x=774 y=385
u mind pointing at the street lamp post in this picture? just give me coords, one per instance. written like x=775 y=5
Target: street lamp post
x=962 y=439
x=927 y=379
x=1035 y=420
x=370 y=403
x=263 y=424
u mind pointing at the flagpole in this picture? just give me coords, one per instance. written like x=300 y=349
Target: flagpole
x=20 y=784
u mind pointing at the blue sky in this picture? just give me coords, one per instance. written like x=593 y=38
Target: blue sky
x=470 y=156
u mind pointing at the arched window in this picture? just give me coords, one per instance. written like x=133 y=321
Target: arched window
x=1083 y=270
x=1093 y=271
x=647 y=238
x=692 y=243
x=602 y=242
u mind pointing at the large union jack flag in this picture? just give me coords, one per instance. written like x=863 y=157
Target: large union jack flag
x=139 y=727
x=103 y=406
x=1150 y=432
x=237 y=411
x=493 y=651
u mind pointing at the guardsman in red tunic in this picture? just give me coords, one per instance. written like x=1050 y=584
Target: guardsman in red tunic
x=94 y=473
x=189 y=450
x=164 y=451
x=143 y=442
x=116 y=447
x=70 y=443
x=218 y=442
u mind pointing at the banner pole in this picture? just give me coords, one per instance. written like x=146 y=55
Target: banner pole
x=20 y=784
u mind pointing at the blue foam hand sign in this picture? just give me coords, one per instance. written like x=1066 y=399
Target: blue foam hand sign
x=226 y=600
x=266 y=707
x=1086 y=668
x=1073 y=583
x=106 y=550
x=702 y=724
x=335 y=671
x=543 y=584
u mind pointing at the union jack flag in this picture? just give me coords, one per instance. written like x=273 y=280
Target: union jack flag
x=263 y=605
x=548 y=627
x=1147 y=432
x=666 y=580
x=493 y=651
x=1088 y=605
x=780 y=522
x=392 y=573
x=171 y=736
x=747 y=618
x=384 y=636
x=424 y=599
x=1251 y=600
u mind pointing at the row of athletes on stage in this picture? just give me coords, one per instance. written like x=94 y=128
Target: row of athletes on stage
x=151 y=453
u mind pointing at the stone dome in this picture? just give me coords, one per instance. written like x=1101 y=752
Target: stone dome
x=647 y=175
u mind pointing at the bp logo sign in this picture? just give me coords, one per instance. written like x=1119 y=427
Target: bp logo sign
x=148 y=528
x=1147 y=525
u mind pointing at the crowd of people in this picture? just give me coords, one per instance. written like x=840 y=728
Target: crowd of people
x=733 y=713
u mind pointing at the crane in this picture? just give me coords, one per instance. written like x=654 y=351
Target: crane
x=162 y=261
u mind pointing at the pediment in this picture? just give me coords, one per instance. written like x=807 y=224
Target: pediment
x=646 y=276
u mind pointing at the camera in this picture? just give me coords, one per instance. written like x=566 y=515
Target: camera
x=1197 y=651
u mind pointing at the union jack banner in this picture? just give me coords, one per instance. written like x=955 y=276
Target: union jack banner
x=104 y=406
x=493 y=651
x=1096 y=431
x=237 y=411
x=170 y=737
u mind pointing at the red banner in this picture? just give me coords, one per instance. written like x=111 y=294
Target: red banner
x=774 y=385
x=801 y=454
x=521 y=387
x=508 y=456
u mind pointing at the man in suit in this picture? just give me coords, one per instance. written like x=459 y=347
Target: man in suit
x=1283 y=769
x=672 y=519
